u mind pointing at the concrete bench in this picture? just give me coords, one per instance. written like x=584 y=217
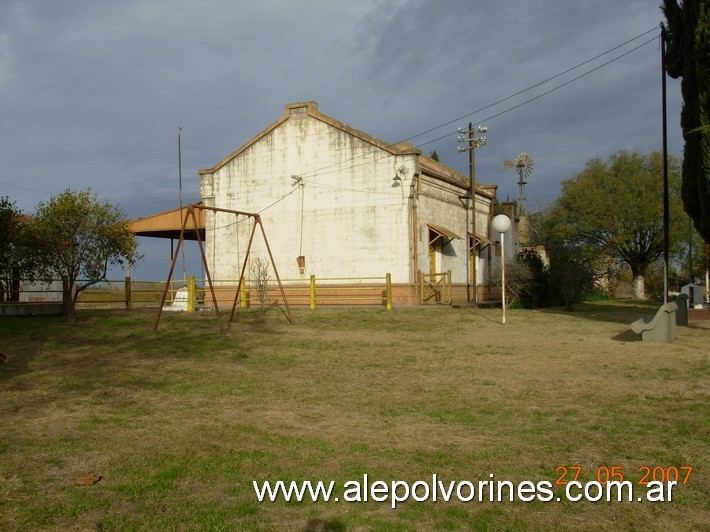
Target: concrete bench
x=660 y=328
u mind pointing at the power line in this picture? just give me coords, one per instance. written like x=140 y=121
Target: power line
x=322 y=170
x=238 y=221
x=575 y=67
x=544 y=93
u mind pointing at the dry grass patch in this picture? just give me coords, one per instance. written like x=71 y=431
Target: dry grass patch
x=179 y=422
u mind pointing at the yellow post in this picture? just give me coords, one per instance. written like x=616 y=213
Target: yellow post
x=448 y=280
x=191 y=293
x=388 y=291
x=243 y=294
x=313 y=292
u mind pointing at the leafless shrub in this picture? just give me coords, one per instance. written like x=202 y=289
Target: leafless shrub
x=261 y=277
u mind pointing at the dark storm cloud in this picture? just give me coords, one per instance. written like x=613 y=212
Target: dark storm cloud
x=92 y=93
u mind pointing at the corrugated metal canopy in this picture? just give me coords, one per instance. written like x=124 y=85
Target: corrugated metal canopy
x=168 y=224
x=443 y=232
x=481 y=239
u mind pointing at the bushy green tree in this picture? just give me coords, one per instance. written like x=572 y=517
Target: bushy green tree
x=538 y=291
x=77 y=237
x=615 y=208
x=688 y=57
x=573 y=273
x=10 y=247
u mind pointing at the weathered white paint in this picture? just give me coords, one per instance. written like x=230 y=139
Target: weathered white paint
x=349 y=218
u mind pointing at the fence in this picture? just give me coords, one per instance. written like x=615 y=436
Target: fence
x=435 y=288
x=194 y=293
x=316 y=291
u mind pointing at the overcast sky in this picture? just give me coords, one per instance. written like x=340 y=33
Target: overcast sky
x=92 y=92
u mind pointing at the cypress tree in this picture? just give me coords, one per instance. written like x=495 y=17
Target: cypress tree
x=688 y=57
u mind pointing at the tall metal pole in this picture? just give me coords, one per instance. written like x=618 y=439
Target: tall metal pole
x=666 y=209
x=184 y=275
x=502 y=271
x=472 y=197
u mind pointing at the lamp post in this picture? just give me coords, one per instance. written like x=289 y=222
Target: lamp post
x=501 y=223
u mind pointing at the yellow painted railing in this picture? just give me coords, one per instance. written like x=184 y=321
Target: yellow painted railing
x=312 y=291
x=435 y=288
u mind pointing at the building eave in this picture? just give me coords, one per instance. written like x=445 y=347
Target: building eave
x=312 y=111
x=442 y=172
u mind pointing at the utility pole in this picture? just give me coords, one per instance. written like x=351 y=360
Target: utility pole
x=666 y=208
x=472 y=142
x=184 y=274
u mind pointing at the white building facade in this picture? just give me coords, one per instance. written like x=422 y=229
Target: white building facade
x=339 y=204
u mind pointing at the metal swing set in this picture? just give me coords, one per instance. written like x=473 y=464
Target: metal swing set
x=189 y=213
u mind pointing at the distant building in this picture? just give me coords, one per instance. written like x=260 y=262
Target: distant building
x=341 y=204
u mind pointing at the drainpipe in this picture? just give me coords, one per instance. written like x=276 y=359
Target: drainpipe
x=415 y=236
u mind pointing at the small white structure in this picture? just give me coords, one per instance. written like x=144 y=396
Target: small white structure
x=179 y=303
x=695 y=295
x=40 y=292
x=339 y=203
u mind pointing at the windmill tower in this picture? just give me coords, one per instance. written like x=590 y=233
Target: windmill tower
x=523 y=166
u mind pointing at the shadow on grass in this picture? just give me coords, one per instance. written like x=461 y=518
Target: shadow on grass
x=627 y=336
x=22 y=340
x=319 y=524
x=268 y=321
x=611 y=311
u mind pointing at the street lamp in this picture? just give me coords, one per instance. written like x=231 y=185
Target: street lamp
x=501 y=223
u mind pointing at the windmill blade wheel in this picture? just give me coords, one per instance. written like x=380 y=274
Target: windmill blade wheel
x=524 y=165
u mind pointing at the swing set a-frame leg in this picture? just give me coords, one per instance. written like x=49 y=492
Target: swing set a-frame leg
x=190 y=213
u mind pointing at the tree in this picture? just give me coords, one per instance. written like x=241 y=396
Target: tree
x=10 y=248
x=261 y=277
x=434 y=156
x=615 y=207
x=575 y=271
x=691 y=260
x=688 y=57
x=77 y=237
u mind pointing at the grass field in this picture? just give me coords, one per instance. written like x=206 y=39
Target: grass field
x=180 y=422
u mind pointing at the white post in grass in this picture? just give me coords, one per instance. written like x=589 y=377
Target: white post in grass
x=501 y=223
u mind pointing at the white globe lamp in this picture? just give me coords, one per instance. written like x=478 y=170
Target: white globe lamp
x=501 y=224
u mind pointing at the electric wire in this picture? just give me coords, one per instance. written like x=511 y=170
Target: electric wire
x=502 y=100
x=322 y=170
x=238 y=221
x=496 y=115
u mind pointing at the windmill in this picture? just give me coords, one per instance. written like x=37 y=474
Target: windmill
x=523 y=166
